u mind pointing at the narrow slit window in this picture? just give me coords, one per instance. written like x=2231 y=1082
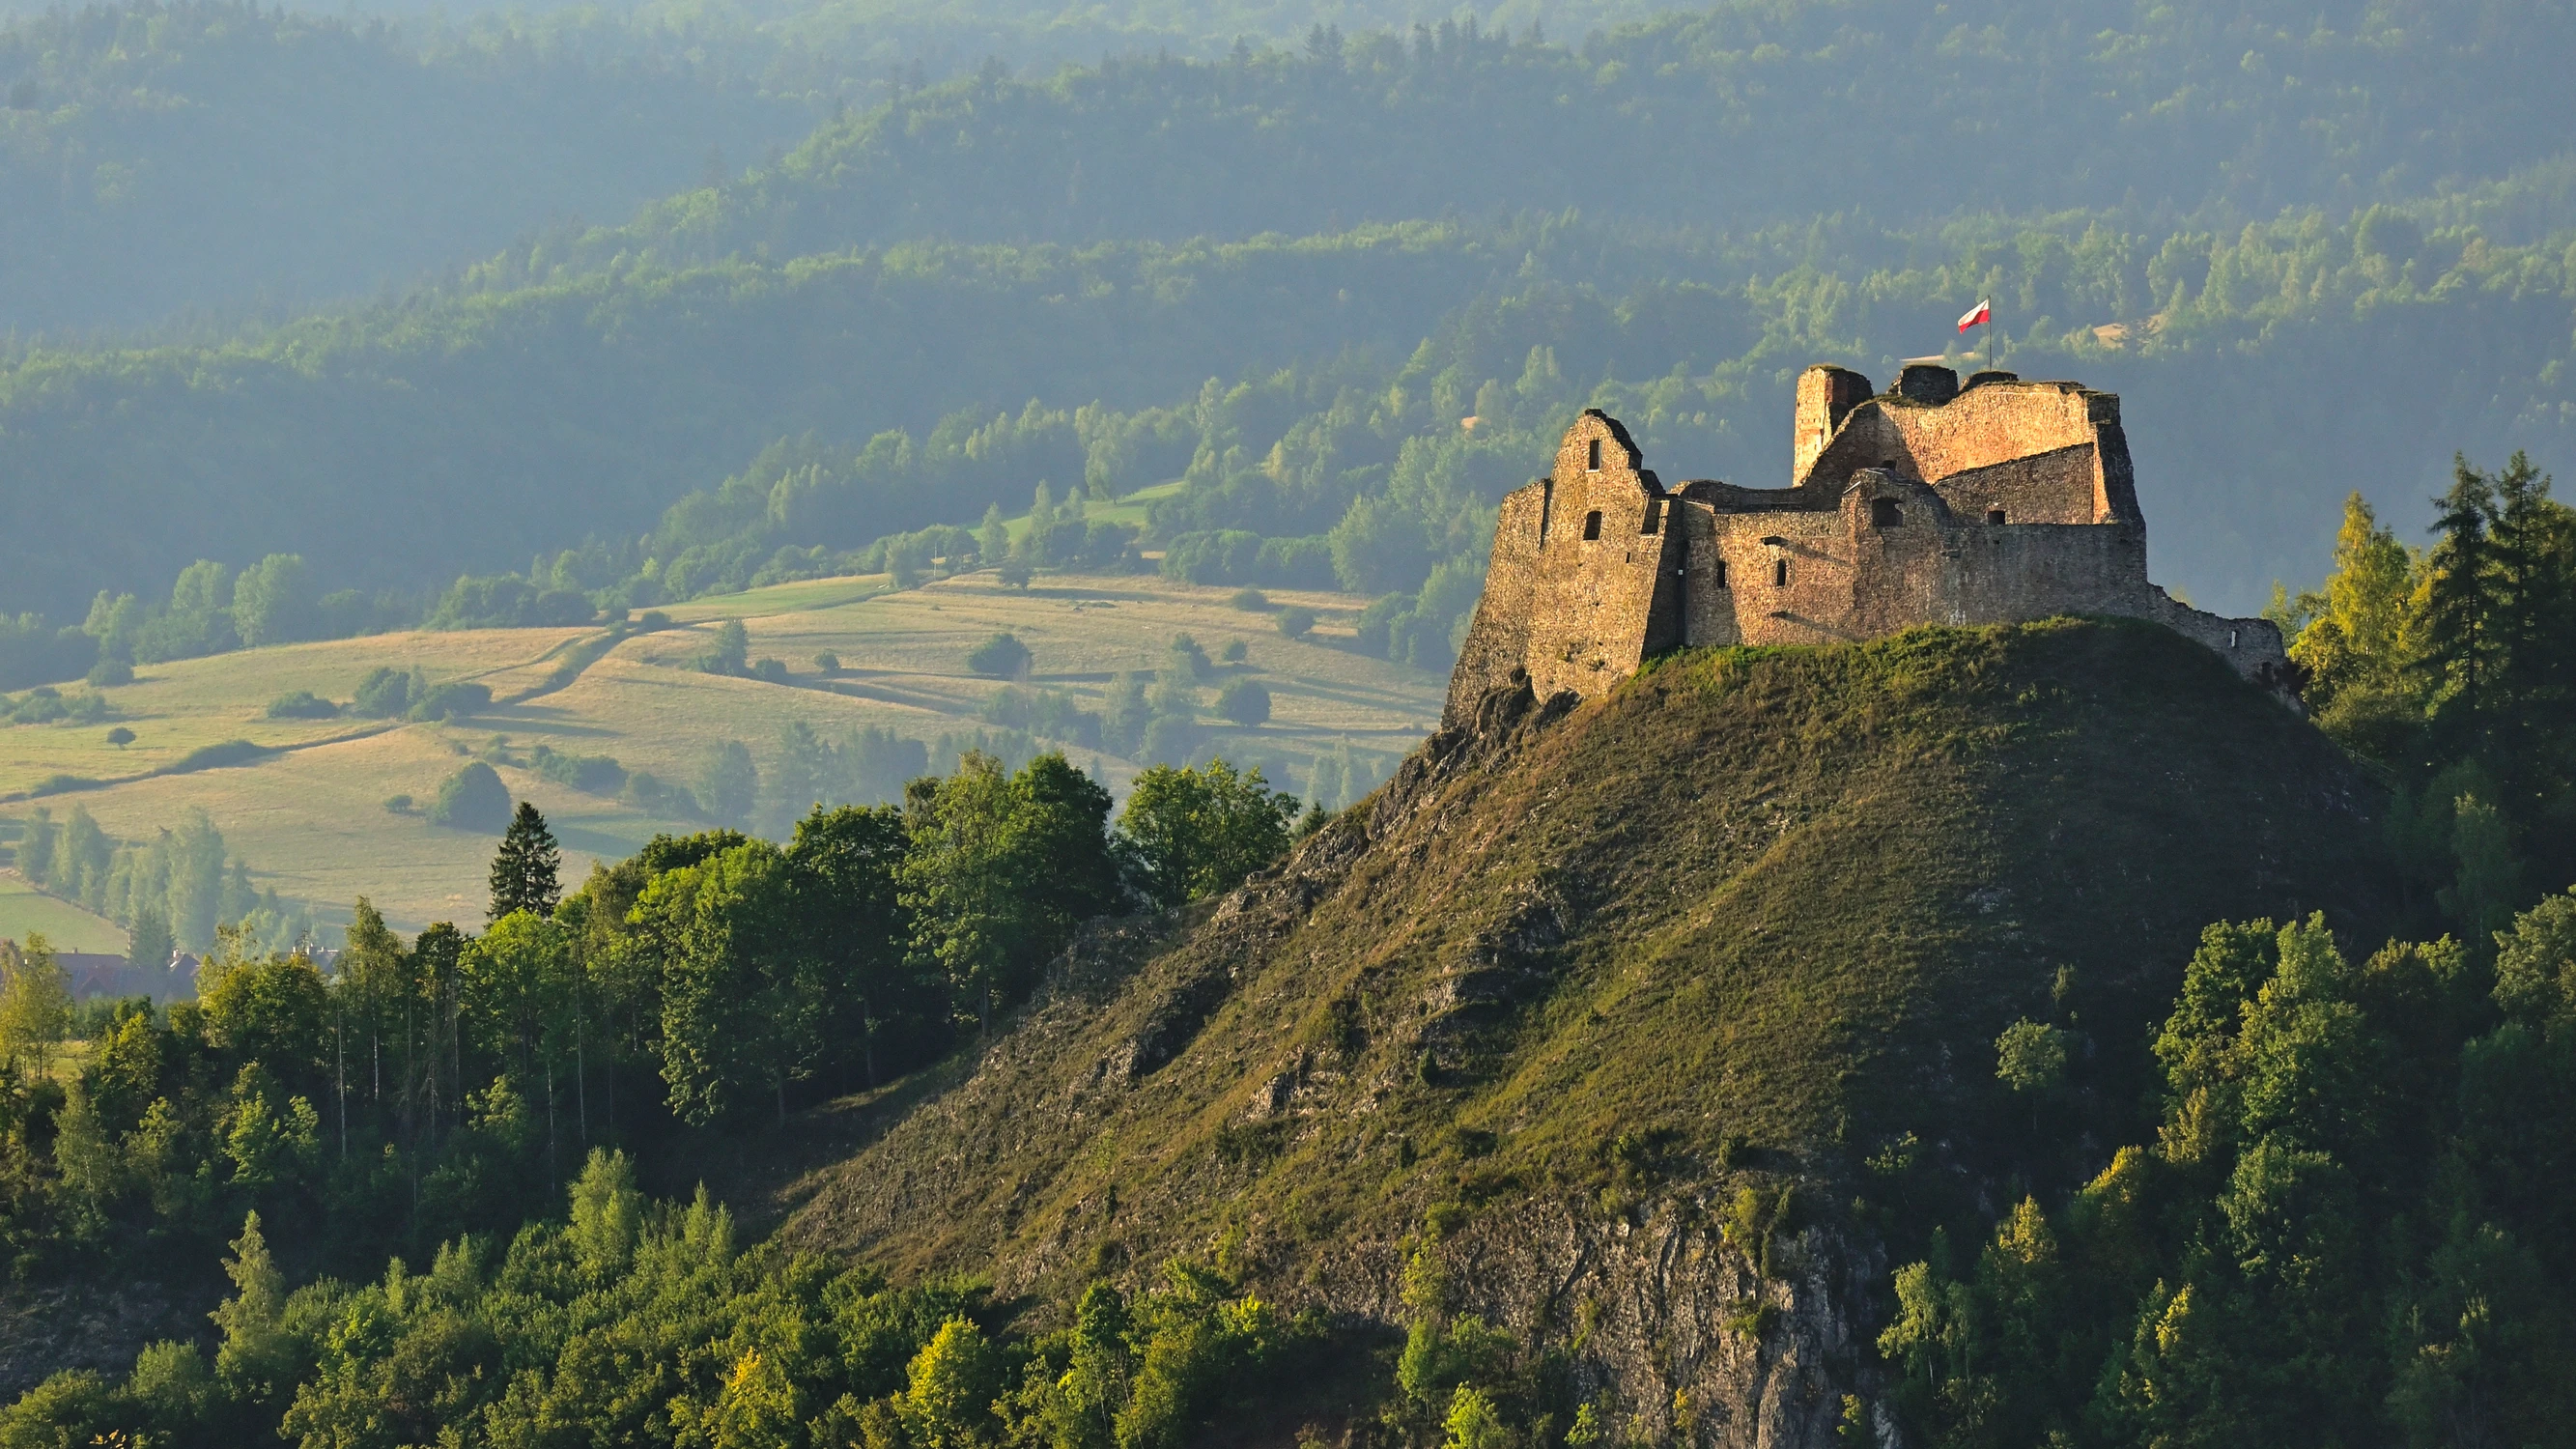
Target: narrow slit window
x=1883 y=513
x=1994 y=515
x=1779 y=573
x=1592 y=524
x=1592 y=455
x=1721 y=573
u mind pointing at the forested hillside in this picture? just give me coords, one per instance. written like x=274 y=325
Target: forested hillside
x=1533 y=1100
x=215 y=158
x=1741 y=117
x=2313 y=257
x=378 y=445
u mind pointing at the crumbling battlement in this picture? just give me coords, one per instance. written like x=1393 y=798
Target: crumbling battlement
x=1927 y=504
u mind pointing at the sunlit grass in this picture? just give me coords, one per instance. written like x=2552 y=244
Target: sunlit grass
x=24 y=909
x=311 y=817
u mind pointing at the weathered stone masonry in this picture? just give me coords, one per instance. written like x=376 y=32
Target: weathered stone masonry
x=1927 y=504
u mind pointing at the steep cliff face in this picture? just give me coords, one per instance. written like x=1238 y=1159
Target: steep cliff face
x=1659 y=1016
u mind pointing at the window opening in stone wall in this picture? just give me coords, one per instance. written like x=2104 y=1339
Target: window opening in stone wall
x=1779 y=573
x=1994 y=515
x=1654 y=515
x=1592 y=456
x=1721 y=573
x=1592 y=524
x=1883 y=513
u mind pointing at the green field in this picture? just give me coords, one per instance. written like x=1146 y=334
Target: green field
x=310 y=815
x=25 y=910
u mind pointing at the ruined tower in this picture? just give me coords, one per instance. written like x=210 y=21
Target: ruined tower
x=1930 y=503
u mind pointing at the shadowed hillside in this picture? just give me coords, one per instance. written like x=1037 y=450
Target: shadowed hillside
x=1577 y=975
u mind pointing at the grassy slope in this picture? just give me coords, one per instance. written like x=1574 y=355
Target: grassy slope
x=310 y=818
x=1802 y=891
x=24 y=909
x=189 y=704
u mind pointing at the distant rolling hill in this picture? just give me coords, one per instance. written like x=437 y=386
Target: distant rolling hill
x=306 y=806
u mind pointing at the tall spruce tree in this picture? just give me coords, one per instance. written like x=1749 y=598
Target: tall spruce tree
x=2532 y=543
x=2459 y=612
x=524 y=868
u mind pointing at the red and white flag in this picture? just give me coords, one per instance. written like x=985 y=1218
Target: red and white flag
x=1984 y=311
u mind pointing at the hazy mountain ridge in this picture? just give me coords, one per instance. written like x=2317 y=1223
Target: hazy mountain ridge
x=213 y=158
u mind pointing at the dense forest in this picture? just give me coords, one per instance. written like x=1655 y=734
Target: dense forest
x=585 y=408
x=2245 y=225
x=1743 y=117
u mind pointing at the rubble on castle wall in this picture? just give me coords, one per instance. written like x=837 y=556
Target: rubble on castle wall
x=2253 y=646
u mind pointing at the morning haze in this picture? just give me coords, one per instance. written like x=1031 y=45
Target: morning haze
x=916 y=725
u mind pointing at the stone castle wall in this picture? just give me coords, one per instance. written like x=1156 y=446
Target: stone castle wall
x=1992 y=423
x=1586 y=577
x=2008 y=502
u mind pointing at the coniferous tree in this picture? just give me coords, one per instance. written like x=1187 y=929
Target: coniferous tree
x=524 y=868
x=2531 y=543
x=2458 y=613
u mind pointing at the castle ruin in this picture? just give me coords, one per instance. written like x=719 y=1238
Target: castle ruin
x=2000 y=502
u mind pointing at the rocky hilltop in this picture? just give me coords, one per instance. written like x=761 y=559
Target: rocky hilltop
x=1659 y=1016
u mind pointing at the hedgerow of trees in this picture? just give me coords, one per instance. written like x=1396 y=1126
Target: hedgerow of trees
x=172 y=890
